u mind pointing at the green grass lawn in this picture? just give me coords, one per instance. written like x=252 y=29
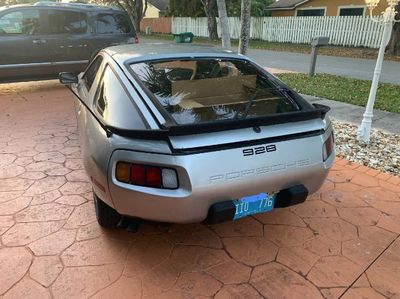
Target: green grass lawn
x=344 y=89
x=289 y=47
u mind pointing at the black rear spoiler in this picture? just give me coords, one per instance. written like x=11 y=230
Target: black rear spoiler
x=320 y=111
x=324 y=109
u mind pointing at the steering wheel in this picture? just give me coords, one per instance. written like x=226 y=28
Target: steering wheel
x=215 y=71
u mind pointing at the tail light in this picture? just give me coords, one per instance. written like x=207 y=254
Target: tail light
x=146 y=175
x=153 y=177
x=136 y=40
x=328 y=147
x=137 y=174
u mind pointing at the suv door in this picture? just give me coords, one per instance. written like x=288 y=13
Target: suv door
x=112 y=28
x=67 y=33
x=24 y=53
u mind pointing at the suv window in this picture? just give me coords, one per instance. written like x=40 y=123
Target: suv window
x=66 y=22
x=20 y=22
x=91 y=72
x=112 y=23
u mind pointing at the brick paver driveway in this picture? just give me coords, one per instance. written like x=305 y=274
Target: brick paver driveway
x=342 y=241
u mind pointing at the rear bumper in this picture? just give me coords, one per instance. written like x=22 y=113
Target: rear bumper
x=201 y=184
x=193 y=207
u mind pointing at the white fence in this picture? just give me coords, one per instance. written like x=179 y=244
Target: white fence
x=356 y=31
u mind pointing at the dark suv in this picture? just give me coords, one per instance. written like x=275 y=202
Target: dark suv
x=41 y=40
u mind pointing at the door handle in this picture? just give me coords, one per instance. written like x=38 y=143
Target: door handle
x=39 y=41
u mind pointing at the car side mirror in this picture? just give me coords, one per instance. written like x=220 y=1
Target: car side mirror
x=67 y=78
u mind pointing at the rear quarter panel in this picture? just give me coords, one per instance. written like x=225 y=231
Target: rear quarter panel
x=96 y=151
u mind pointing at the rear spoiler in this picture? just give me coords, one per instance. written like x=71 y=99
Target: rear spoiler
x=320 y=111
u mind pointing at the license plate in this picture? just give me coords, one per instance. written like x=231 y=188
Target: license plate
x=254 y=204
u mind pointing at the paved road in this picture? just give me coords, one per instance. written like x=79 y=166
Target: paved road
x=343 y=66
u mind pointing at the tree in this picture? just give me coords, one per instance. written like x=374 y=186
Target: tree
x=185 y=8
x=209 y=9
x=136 y=9
x=244 y=27
x=194 y=8
x=223 y=19
x=393 y=47
x=257 y=7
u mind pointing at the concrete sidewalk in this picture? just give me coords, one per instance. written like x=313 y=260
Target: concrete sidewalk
x=385 y=121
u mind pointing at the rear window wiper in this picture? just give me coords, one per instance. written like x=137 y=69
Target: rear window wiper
x=247 y=106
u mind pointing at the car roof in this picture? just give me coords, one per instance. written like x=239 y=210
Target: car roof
x=80 y=6
x=159 y=50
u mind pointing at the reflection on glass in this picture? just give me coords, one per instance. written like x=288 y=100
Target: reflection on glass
x=204 y=90
x=112 y=23
x=66 y=22
x=20 y=22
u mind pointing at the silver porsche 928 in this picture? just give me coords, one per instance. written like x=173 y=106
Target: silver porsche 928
x=183 y=133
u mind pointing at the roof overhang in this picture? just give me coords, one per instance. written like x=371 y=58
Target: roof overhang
x=287 y=7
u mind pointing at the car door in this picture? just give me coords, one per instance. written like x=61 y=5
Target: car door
x=112 y=28
x=24 y=53
x=67 y=33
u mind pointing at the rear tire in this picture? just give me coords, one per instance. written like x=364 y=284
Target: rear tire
x=106 y=216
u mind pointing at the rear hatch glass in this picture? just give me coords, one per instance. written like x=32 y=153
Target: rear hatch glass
x=203 y=90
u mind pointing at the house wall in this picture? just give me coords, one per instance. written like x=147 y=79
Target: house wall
x=282 y=13
x=331 y=7
x=152 y=11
